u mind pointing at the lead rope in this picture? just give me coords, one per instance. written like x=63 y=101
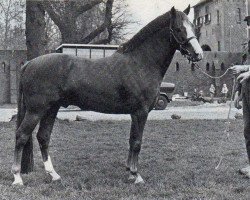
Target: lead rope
x=226 y=131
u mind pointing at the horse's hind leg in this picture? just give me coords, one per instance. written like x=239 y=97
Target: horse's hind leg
x=138 y=122
x=22 y=135
x=43 y=137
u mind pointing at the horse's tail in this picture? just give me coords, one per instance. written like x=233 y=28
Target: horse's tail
x=27 y=162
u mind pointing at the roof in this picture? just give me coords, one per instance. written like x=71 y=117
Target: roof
x=201 y=2
x=84 y=46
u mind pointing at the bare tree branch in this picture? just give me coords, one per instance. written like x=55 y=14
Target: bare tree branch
x=107 y=22
x=53 y=15
x=81 y=9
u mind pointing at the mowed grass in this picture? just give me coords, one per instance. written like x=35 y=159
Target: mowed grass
x=177 y=161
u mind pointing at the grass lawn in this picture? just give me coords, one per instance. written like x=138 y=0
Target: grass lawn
x=177 y=161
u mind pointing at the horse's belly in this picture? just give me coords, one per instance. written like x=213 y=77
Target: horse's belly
x=109 y=106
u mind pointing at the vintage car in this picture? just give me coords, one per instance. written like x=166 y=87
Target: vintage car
x=165 y=96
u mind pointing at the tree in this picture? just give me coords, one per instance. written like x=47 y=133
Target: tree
x=35 y=29
x=53 y=34
x=11 y=24
x=84 y=21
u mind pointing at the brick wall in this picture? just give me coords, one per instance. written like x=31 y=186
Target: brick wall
x=187 y=80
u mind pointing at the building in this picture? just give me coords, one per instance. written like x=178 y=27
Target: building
x=247 y=18
x=10 y=65
x=220 y=24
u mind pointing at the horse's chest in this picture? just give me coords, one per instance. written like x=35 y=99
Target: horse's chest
x=135 y=96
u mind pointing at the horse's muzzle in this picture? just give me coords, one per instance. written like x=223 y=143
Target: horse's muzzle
x=196 y=57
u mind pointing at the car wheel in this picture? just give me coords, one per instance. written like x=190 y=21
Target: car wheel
x=162 y=103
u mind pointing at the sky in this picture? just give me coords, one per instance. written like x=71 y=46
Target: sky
x=145 y=11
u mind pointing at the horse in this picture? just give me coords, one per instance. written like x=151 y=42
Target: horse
x=127 y=82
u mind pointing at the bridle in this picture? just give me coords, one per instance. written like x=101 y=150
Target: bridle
x=181 y=44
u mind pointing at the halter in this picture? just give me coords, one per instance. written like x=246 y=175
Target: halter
x=182 y=44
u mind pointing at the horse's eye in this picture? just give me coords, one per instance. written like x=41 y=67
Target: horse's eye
x=178 y=30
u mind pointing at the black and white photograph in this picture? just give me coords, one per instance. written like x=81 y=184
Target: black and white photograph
x=124 y=99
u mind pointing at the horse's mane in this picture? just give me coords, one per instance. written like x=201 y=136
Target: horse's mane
x=154 y=26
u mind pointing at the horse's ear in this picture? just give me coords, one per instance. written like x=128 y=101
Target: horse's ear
x=187 y=10
x=173 y=12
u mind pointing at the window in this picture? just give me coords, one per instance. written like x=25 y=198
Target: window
x=69 y=51
x=207 y=18
x=222 y=66
x=193 y=67
x=213 y=66
x=109 y=52
x=219 y=46
x=207 y=66
x=97 y=53
x=218 y=17
x=199 y=21
x=85 y=53
x=177 y=67
x=4 y=67
x=238 y=14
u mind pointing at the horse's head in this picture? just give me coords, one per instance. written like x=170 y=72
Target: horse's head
x=182 y=32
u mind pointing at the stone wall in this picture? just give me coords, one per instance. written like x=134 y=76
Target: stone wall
x=10 y=64
x=188 y=77
x=226 y=27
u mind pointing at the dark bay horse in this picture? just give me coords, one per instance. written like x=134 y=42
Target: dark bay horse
x=127 y=82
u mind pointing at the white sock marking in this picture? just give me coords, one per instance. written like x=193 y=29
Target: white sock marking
x=50 y=169
x=17 y=179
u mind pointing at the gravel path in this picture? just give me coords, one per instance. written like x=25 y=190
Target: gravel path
x=205 y=111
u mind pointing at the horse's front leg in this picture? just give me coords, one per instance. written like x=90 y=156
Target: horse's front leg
x=138 y=122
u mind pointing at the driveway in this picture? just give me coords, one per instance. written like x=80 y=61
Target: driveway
x=204 y=111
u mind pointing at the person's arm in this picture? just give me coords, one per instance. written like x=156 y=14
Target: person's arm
x=243 y=77
x=236 y=69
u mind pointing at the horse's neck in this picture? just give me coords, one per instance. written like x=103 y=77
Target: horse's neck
x=157 y=52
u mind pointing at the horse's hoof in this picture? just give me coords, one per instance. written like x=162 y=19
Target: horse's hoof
x=139 y=179
x=56 y=177
x=18 y=183
x=245 y=171
x=131 y=177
